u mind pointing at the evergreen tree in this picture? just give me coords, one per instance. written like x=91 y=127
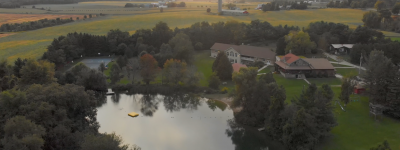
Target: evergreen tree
x=224 y=67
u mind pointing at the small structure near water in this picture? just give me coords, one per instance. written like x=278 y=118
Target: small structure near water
x=133 y=114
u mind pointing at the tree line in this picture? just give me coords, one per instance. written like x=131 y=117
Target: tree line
x=385 y=18
x=32 y=25
x=18 y=4
x=320 y=35
x=156 y=41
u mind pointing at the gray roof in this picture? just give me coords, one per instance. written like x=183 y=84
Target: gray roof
x=258 y=52
x=319 y=63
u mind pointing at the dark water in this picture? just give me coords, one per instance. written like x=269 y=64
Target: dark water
x=180 y=122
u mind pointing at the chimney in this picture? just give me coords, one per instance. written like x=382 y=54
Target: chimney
x=290 y=51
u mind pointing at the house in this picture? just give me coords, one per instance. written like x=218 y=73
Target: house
x=292 y=66
x=340 y=48
x=236 y=67
x=244 y=54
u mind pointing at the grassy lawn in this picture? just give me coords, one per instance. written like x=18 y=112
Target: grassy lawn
x=266 y=70
x=320 y=81
x=204 y=62
x=339 y=65
x=330 y=59
x=293 y=87
x=347 y=71
x=357 y=130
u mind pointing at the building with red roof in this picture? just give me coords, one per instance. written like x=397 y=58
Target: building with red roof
x=236 y=67
x=292 y=66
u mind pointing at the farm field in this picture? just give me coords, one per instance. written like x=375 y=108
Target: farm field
x=19 y=18
x=22 y=44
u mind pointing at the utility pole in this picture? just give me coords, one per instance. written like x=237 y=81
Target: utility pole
x=359 y=69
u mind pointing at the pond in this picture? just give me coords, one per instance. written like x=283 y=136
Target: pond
x=178 y=122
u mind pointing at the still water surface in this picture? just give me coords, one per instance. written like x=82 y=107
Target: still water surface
x=179 y=122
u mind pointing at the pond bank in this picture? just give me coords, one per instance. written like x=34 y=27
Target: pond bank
x=225 y=99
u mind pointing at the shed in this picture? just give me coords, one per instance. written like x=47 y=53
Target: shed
x=359 y=89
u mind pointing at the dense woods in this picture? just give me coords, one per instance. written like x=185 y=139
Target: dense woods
x=39 y=113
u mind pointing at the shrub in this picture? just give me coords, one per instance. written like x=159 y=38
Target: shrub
x=208 y=10
x=161 y=10
x=224 y=90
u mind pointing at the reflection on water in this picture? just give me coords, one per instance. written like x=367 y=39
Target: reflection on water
x=177 y=122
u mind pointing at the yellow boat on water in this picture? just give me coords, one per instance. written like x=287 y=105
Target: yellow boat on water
x=133 y=114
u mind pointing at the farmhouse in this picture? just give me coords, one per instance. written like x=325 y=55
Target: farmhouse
x=292 y=66
x=243 y=54
x=340 y=48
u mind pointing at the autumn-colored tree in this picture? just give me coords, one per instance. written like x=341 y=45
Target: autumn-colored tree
x=148 y=68
x=299 y=43
x=379 y=5
x=174 y=71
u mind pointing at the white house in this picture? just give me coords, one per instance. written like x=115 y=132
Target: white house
x=244 y=54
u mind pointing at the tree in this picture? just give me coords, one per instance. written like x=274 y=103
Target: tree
x=253 y=96
x=93 y=79
x=132 y=66
x=182 y=47
x=104 y=141
x=148 y=68
x=198 y=46
x=371 y=19
x=379 y=5
x=385 y=146
x=90 y=15
x=121 y=61
x=18 y=64
x=312 y=119
x=174 y=71
x=213 y=81
x=84 y=17
x=21 y=133
x=37 y=72
x=273 y=119
x=223 y=67
x=267 y=78
x=346 y=90
x=208 y=10
x=115 y=73
x=299 y=133
x=102 y=67
x=379 y=71
x=396 y=8
x=160 y=34
x=299 y=43
x=280 y=46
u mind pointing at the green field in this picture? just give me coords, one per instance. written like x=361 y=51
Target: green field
x=347 y=71
x=32 y=44
x=266 y=70
x=339 y=65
